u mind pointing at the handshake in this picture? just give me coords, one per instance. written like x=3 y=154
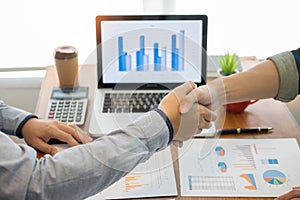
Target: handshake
x=189 y=109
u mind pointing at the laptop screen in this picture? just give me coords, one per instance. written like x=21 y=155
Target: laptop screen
x=151 y=49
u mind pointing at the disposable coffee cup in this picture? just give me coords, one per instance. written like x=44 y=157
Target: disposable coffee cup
x=66 y=61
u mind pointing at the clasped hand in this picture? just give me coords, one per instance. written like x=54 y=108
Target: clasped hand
x=37 y=132
x=192 y=120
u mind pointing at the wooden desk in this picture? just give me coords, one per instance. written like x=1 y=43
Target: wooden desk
x=266 y=112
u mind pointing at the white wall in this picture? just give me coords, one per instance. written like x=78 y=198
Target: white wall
x=31 y=29
x=25 y=98
x=248 y=27
x=21 y=88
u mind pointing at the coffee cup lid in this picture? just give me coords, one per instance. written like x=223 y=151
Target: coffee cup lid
x=65 y=52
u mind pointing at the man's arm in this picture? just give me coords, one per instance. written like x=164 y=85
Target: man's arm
x=277 y=77
x=84 y=170
x=12 y=119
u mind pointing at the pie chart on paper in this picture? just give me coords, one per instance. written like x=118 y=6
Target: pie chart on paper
x=274 y=177
x=220 y=151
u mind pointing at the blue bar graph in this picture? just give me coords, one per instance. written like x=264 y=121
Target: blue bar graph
x=157 y=59
x=181 y=51
x=124 y=59
x=159 y=55
x=160 y=61
x=142 y=60
x=177 y=53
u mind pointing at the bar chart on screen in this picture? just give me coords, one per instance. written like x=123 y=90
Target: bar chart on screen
x=152 y=51
x=154 y=55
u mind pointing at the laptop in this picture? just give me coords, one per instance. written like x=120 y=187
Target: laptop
x=139 y=60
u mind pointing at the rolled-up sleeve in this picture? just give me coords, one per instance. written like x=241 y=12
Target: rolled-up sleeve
x=296 y=54
x=288 y=74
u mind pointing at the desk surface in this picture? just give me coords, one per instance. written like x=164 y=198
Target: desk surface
x=267 y=112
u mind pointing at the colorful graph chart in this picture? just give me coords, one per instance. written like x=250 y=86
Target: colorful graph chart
x=159 y=54
x=220 y=151
x=270 y=161
x=250 y=179
x=244 y=158
x=211 y=183
x=274 y=177
x=131 y=182
x=223 y=167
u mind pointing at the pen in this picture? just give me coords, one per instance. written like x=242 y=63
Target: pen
x=246 y=130
x=237 y=131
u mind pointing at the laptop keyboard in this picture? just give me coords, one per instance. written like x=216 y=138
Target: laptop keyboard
x=131 y=102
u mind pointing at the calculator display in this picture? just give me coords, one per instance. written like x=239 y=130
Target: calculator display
x=69 y=93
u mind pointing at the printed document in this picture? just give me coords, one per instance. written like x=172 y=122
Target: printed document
x=153 y=178
x=239 y=167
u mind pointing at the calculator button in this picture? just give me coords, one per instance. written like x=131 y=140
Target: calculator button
x=78 y=118
x=51 y=116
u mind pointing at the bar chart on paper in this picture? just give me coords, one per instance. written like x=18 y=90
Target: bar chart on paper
x=240 y=167
x=155 y=177
x=156 y=57
x=132 y=182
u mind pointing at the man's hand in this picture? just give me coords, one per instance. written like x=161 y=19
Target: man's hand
x=37 y=133
x=190 y=123
x=198 y=95
x=293 y=194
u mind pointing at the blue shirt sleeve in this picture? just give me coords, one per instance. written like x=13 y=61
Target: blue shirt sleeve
x=13 y=119
x=83 y=170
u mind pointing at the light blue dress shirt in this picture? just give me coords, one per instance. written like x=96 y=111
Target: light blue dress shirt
x=77 y=172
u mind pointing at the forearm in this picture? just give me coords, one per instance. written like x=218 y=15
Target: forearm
x=277 y=77
x=259 y=82
x=84 y=170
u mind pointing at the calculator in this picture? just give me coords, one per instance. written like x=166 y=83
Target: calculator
x=68 y=104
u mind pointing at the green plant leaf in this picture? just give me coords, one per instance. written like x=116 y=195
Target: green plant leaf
x=228 y=63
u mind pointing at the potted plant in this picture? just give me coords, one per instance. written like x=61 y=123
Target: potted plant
x=229 y=64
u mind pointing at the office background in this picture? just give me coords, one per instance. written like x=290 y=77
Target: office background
x=31 y=29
